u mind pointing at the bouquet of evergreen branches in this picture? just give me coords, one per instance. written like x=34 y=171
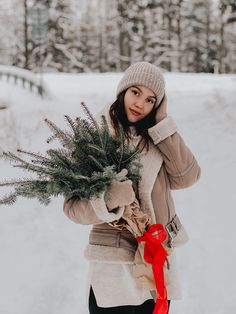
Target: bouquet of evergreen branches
x=85 y=166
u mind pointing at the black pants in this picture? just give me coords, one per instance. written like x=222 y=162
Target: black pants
x=146 y=308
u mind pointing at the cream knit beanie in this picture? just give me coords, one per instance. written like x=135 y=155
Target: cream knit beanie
x=146 y=74
x=143 y=73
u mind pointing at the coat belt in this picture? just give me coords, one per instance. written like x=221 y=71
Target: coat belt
x=114 y=238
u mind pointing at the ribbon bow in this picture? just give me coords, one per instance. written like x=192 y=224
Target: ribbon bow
x=155 y=254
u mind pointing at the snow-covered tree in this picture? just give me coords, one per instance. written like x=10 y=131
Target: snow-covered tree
x=163 y=25
x=108 y=35
x=62 y=35
x=12 y=33
x=227 y=30
x=138 y=31
x=195 y=35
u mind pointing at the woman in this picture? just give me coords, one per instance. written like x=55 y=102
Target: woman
x=115 y=284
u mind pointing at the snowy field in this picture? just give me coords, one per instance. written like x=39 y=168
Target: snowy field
x=42 y=268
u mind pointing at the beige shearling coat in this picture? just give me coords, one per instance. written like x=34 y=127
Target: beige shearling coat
x=168 y=165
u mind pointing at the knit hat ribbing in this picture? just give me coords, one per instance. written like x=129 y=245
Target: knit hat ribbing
x=146 y=74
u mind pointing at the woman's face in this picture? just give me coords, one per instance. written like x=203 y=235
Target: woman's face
x=138 y=102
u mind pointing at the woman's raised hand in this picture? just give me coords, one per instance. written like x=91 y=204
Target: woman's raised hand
x=161 y=110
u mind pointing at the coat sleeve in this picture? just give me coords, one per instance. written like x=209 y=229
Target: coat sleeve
x=92 y=211
x=181 y=166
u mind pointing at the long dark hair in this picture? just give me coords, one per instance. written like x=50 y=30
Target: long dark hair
x=117 y=114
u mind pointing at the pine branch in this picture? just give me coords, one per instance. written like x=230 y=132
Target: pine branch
x=99 y=150
x=9 y=199
x=44 y=200
x=12 y=157
x=86 y=164
x=39 y=158
x=58 y=158
x=15 y=182
x=131 y=157
x=105 y=131
x=93 y=121
x=58 y=133
x=97 y=164
x=71 y=123
x=39 y=170
x=121 y=135
x=90 y=116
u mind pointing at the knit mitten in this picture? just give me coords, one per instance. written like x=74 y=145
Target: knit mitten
x=120 y=193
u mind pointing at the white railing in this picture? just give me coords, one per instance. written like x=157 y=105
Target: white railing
x=26 y=77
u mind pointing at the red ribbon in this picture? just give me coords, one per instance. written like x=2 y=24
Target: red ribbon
x=155 y=254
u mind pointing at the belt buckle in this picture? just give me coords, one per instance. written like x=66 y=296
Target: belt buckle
x=172 y=228
x=169 y=230
x=177 y=223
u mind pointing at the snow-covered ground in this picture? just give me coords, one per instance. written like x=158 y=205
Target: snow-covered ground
x=42 y=268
